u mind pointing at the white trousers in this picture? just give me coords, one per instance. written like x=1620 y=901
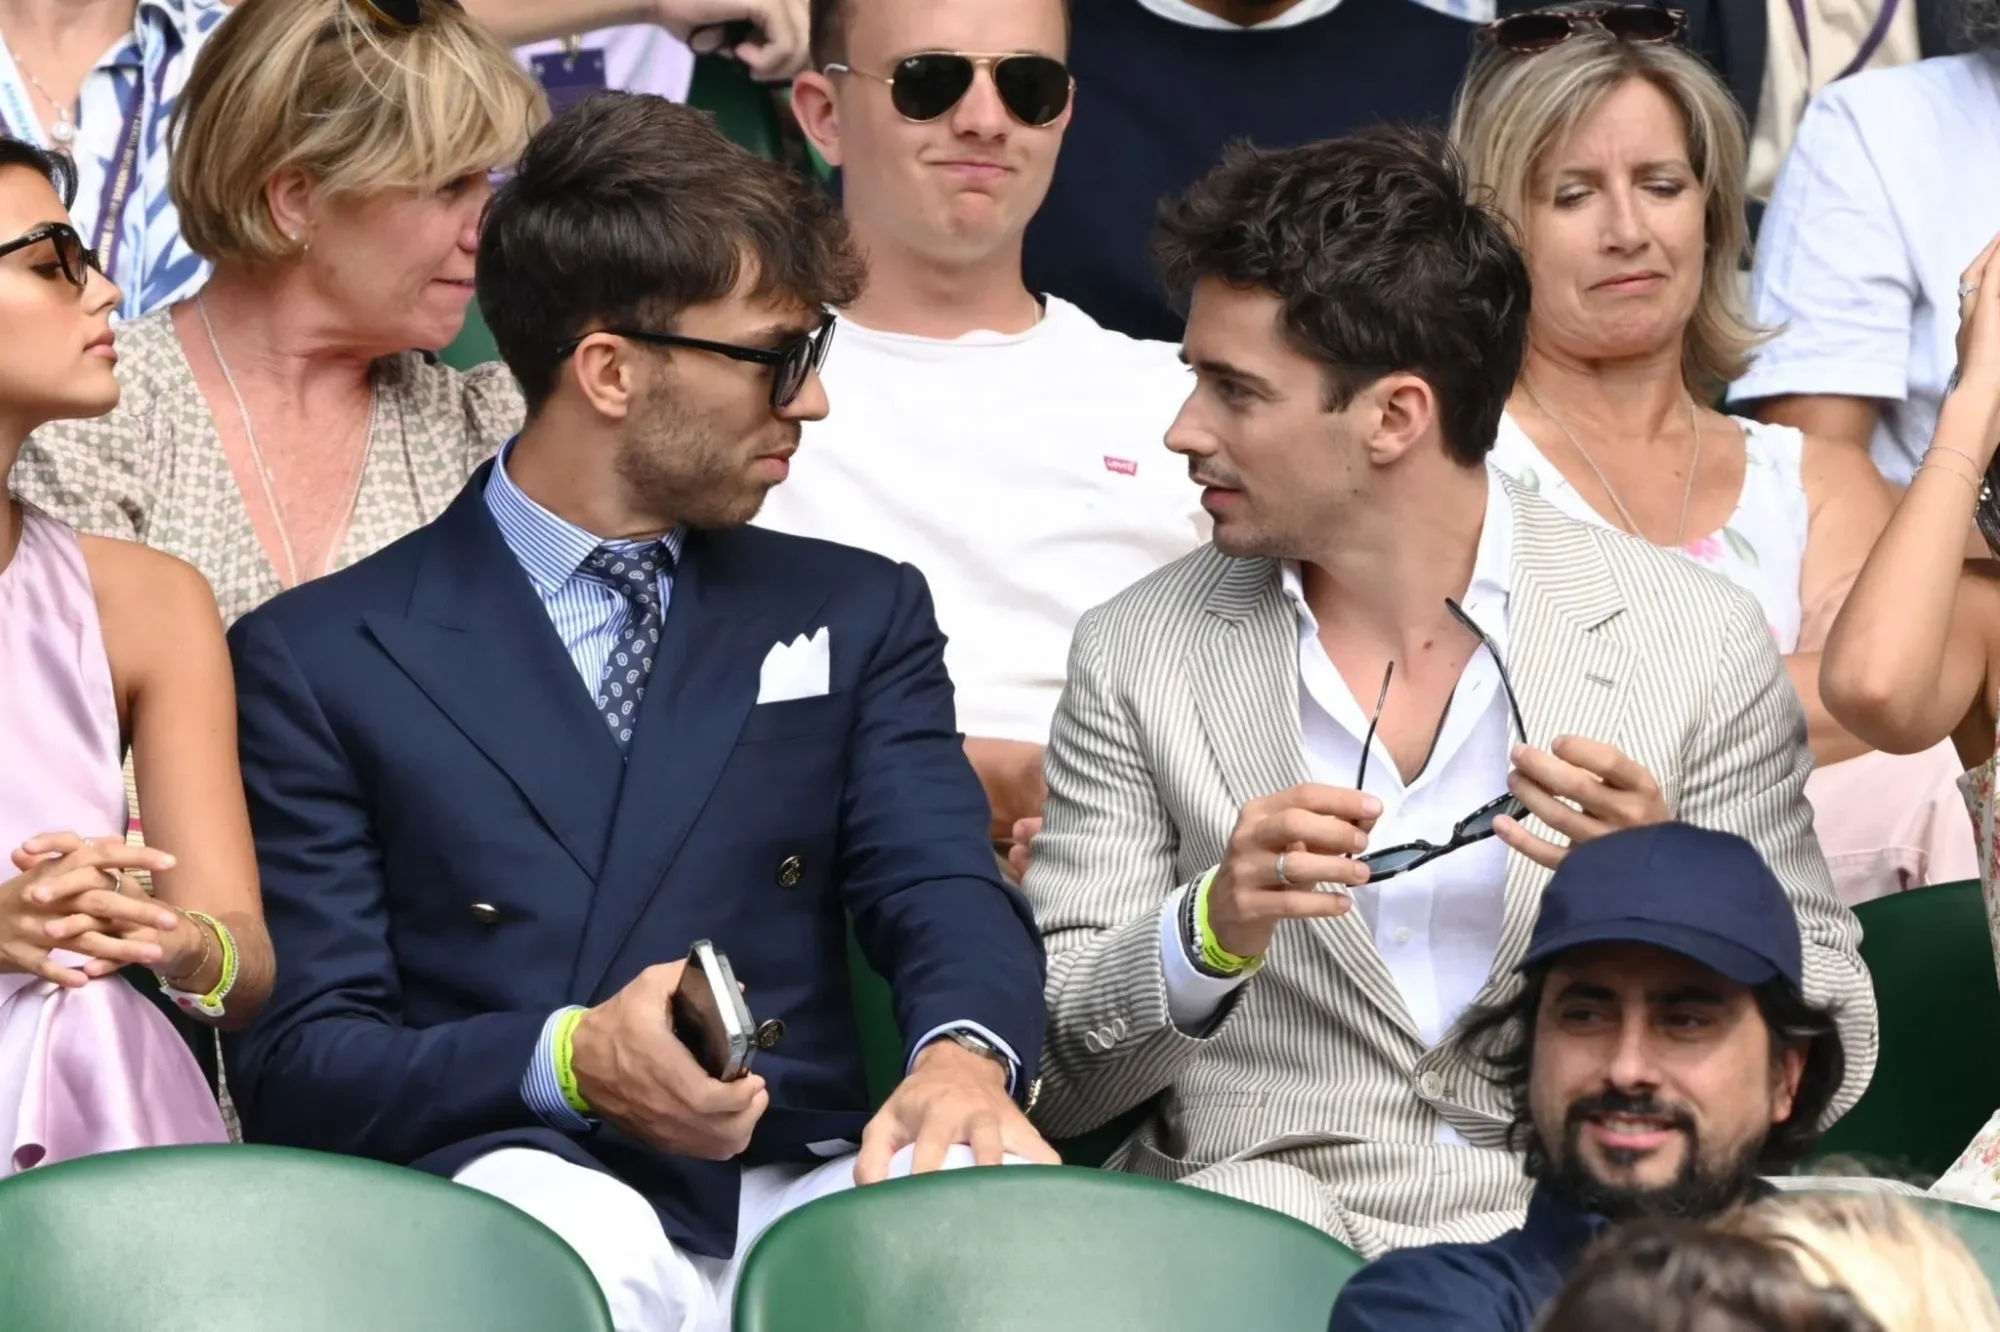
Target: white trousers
x=650 y=1284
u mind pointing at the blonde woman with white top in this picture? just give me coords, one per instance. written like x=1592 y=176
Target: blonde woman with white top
x=1621 y=163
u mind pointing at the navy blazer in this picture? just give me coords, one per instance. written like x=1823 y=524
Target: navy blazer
x=452 y=847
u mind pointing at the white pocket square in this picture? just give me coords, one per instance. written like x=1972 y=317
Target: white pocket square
x=797 y=669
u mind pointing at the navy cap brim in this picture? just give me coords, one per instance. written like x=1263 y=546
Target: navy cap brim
x=1718 y=954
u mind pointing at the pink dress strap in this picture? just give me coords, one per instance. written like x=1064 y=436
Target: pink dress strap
x=99 y=1068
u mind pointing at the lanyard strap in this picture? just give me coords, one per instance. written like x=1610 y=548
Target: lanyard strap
x=124 y=170
x=1869 y=44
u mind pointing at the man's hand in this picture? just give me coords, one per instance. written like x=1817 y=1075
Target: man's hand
x=951 y=1096
x=1604 y=791
x=1020 y=843
x=1011 y=772
x=1317 y=829
x=776 y=52
x=637 y=1075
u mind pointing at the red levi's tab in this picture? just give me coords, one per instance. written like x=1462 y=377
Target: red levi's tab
x=1122 y=466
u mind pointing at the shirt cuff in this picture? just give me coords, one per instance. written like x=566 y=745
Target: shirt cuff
x=971 y=1029
x=542 y=1089
x=1193 y=999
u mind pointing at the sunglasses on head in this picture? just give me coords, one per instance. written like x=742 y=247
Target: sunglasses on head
x=1525 y=34
x=398 y=15
x=1035 y=89
x=790 y=364
x=1474 y=827
x=77 y=260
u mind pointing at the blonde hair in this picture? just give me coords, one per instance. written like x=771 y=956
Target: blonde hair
x=1910 y=1272
x=320 y=87
x=1514 y=108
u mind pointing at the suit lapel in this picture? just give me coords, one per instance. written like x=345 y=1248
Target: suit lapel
x=1245 y=669
x=478 y=642
x=1572 y=674
x=721 y=622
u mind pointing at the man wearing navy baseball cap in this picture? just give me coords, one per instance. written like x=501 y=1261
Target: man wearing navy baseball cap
x=1661 y=1058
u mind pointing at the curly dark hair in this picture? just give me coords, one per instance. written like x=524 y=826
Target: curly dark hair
x=1979 y=24
x=1384 y=261
x=1672 y=1275
x=1502 y=1038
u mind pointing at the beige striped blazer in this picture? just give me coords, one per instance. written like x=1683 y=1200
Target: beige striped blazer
x=1313 y=1092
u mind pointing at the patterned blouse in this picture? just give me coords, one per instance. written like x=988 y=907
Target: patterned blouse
x=154 y=471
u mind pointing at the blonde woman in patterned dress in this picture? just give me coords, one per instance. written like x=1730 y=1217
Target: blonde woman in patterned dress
x=333 y=167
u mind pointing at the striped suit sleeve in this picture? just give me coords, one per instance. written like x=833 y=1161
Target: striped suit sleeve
x=1745 y=772
x=1103 y=866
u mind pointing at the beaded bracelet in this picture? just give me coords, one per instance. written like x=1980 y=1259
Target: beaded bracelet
x=208 y=1005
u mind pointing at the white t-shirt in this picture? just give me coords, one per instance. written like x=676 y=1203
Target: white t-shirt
x=1891 y=190
x=1025 y=474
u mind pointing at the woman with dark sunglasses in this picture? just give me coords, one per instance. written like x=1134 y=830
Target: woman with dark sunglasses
x=105 y=647
x=1620 y=158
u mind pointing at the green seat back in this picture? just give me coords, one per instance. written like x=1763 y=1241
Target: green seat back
x=1977 y=1227
x=253 y=1239
x=1050 y=1248
x=1938 y=1079
x=743 y=108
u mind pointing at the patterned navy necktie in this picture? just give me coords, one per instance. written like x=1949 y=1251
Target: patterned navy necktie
x=633 y=572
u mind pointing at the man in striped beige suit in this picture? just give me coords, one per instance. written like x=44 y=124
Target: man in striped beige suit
x=1387 y=650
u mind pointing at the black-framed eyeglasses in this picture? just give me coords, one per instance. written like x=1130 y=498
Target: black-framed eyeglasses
x=399 y=15
x=1035 y=89
x=1527 y=34
x=77 y=260
x=791 y=365
x=1474 y=827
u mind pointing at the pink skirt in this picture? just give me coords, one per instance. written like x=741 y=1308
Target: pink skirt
x=93 y=1070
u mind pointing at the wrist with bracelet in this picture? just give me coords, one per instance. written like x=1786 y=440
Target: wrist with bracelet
x=1198 y=937
x=214 y=936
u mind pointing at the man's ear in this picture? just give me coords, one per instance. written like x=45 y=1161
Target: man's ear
x=1398 y=413
x=1791 y=1069
x=816 y=107
x=606 y=374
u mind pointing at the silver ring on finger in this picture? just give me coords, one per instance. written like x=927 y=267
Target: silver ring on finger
x=1967 y=288
x=1283 y=877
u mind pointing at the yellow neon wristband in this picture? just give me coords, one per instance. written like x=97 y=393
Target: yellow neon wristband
x=1213 y=955
x=210 y=1005
x=565 y=1075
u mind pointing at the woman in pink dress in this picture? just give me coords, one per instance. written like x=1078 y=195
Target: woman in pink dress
x=103 y=644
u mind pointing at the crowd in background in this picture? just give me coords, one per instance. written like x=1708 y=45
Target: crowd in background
x=1357 y=587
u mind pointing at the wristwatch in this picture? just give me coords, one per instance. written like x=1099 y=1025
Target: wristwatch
x=979 y=1045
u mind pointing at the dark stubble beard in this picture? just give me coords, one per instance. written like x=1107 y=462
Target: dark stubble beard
x=1695 y=1192
x=675 y=464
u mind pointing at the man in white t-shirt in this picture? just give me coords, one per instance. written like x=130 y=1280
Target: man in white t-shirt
x=1005 y=444
x=1891 y=190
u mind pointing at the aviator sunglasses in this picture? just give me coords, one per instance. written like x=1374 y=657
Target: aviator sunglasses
x=1526 y=34
x=77 y=260
x=1474 y=827
x=1035 y=89
x=790 y=364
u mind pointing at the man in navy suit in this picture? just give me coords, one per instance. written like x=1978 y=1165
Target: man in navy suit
x=505 y=771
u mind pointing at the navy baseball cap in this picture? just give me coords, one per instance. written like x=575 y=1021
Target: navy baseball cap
x=1706 y=895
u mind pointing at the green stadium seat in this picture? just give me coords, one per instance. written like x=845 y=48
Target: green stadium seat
x=1051 y=1248
x=253 y=1239
x=1938 y=1079
x=1976 y=1227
